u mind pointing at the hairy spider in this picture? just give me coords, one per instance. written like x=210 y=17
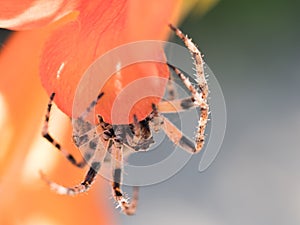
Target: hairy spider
x=95 y=142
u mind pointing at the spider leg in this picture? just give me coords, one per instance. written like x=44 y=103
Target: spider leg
x=87 y=139
x=123 y=202
x=171 y=90
x=91 y=106
x=48 y=137
x=89 y=177
x=158 y=121
x=88 y=149
x=200 y=98
x=136 y=131
x=201 y=102
x=177 y=105
x=197 y=60
x=177 y=137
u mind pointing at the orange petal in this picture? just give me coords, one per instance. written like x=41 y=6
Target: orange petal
x=29 y=14
x=100 y=27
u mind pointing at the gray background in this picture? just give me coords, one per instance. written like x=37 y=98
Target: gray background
x=253 y=49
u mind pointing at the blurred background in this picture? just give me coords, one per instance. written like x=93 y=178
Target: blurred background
x=253 y=48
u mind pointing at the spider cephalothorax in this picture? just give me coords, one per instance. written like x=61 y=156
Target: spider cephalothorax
x=136 y=136
x=96 y=141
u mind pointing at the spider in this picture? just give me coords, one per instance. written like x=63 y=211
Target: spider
x=95 y=142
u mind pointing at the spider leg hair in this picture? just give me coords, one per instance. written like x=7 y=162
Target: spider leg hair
x=176 y=105
x=198 y=61
x=127 y=207
x=198 y=99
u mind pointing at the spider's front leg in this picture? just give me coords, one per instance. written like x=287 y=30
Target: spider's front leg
x=180 y=105
x=117 y=162
x=136 y=128
x=48 y=137
x=80 y=141
x=198 y=61
x=197 y=99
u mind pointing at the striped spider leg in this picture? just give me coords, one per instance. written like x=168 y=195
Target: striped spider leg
x=127 y=207
x=124 y=139
x=198 y=99
x=80 y=126
x=86 y=138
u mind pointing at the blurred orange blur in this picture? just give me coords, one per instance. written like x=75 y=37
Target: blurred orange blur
x=24 y=197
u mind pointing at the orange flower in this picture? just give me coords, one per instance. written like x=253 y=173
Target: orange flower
x=74 y=33
x=94 y=32
x=73 y=46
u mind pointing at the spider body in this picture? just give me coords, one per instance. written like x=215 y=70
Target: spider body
x=95 y=142
x=127 y=136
